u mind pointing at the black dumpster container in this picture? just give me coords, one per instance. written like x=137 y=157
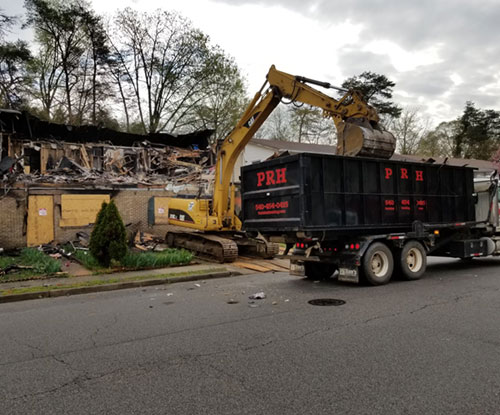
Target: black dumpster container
x=324 y=192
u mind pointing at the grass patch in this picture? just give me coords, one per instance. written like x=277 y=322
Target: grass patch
x=137 y=260
x=43 y=265
x=168 y=257
x=88 y=260
x=105 y=281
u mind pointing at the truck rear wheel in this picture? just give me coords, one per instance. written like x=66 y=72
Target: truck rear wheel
x=378 y=264
x=412 y=261
x=319 y=270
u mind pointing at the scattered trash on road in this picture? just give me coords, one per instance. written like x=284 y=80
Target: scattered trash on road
x=197 y=285
x=258 y=296
x=232 y=301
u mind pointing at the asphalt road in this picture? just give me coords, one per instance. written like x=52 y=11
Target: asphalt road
x=425 y=347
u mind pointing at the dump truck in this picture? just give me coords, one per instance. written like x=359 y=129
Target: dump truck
x=367 y=218
x=211 y=226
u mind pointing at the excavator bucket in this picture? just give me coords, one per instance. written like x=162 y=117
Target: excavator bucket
x=357 y=137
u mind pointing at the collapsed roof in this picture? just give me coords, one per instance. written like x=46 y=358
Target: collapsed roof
x=27 y=126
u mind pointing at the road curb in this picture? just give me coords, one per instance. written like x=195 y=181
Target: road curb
x=114 y=286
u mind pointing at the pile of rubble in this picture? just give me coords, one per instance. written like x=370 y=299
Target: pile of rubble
x=141 y=165
x=36 y=151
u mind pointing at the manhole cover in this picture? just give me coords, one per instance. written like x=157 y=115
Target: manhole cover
x=326 y=301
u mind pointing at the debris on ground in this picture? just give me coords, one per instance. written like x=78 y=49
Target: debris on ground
x=13 y=267
x=258 y=296
x=147 y=242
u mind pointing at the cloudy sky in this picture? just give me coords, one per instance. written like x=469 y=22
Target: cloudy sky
x=440 y=53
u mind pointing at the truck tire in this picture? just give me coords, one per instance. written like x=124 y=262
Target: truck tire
x=412 y=261
x=377 y=264
x=319 y=270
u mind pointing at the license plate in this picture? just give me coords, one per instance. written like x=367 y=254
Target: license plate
x=348 y=274
x=297 y=269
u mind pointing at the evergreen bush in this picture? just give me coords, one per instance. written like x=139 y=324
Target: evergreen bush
x=108 y=240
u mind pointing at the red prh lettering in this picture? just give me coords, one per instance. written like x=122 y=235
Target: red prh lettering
x=405 y=204
x=419 y=175
x=281 y=175
x=404 y=173
x=270 y=177
x=389 y=204
x=388 y=172
x=260 y=178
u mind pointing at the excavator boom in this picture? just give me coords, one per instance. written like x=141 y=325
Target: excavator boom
x=359 y=134
x=357 y=123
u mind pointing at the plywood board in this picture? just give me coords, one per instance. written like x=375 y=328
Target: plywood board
x=40 y=220
x=161 y=211
x=268 y=263
x=251 y=266
x=80 y=210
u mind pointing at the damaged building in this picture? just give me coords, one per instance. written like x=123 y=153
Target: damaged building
x=55 y=177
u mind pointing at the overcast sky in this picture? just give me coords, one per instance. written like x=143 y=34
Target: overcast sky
x=440 y=53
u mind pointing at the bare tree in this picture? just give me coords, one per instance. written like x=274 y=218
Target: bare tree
x=311 y=127
x=439 y=142
x=409 y=128
x=45 y=71
x=224 y=97
x=165 y=65
x=61 y=25
x=14 y=57
x=277 y=126
x=6 y=23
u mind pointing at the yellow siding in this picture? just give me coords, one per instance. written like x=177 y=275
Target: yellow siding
x=80 y=210
x=40 y=220
x=161 y=210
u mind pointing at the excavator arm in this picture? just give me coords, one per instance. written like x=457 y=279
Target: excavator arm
x=357 y=123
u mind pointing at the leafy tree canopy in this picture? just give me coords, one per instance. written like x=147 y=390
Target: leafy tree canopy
x=377 y=90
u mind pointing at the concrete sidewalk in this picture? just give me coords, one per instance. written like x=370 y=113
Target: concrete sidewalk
x=56 y=287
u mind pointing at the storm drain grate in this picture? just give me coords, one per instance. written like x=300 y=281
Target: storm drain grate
x=326 y=301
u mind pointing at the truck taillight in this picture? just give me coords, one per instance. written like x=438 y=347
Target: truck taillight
x=300 y=245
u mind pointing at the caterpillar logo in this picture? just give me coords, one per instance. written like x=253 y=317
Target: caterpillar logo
x=269 y=177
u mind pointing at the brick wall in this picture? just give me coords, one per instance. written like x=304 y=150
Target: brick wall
x=132 y=205
x=12 y=220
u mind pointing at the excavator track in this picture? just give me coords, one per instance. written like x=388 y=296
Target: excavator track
x=256 y=247
x=215 y=247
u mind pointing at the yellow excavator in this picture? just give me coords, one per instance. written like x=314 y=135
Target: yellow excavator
x=214 y=227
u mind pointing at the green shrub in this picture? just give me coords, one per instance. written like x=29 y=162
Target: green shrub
x=108 y=240
x=41 y=263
